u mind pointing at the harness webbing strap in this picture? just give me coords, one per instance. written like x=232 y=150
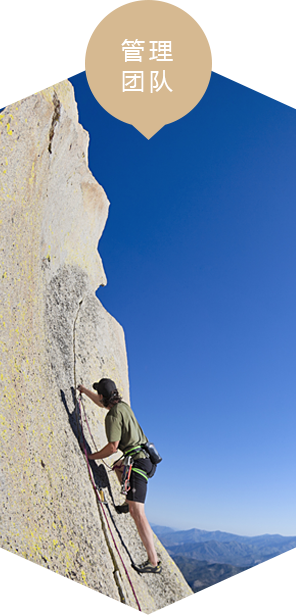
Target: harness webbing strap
x=135 y=449
x=141 y=472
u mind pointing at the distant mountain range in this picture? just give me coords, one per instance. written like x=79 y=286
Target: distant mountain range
x=268 y=550
x=205 y=558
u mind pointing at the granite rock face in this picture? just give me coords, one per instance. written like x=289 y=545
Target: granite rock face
x=54 y=335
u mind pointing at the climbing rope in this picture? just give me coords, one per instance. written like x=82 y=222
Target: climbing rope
x=92 y=439
x=101 y=508
x=80 y=433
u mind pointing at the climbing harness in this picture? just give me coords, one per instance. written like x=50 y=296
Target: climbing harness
x=142 y=473
x=128 y=464
x=101 y=509
x=148 y=448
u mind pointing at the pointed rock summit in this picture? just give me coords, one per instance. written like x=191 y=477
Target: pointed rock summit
x=56 y=334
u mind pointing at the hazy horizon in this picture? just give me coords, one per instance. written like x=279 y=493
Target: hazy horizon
x=184 y=529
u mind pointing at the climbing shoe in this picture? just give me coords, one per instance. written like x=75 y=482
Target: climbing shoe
x=124 y=508
x=147 y=567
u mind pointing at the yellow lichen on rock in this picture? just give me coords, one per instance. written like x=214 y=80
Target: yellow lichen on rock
x=55 y=334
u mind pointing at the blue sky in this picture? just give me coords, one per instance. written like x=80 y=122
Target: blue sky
x=199 y=252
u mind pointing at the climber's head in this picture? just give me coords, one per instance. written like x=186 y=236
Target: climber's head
x=106 y=388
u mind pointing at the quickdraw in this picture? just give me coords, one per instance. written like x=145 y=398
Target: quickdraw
x=127 y=469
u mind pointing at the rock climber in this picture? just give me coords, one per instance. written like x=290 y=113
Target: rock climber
x=124 y=432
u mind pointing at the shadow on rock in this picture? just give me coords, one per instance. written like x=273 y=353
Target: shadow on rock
x=99 y=471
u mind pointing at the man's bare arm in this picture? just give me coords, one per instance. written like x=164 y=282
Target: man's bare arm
x=108 y=450
x=111 y=447
x=93 y=396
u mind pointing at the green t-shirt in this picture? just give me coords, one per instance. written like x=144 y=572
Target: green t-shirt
x=122 y=426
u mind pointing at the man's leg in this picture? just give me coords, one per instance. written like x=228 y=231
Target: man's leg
x=137 y=512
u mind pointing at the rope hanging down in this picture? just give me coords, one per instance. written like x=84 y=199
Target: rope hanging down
x=91 y=436
x=80 y=404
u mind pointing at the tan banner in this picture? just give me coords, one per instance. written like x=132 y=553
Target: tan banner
x=148 y=63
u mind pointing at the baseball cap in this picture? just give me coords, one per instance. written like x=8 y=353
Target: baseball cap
x=105 y=387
